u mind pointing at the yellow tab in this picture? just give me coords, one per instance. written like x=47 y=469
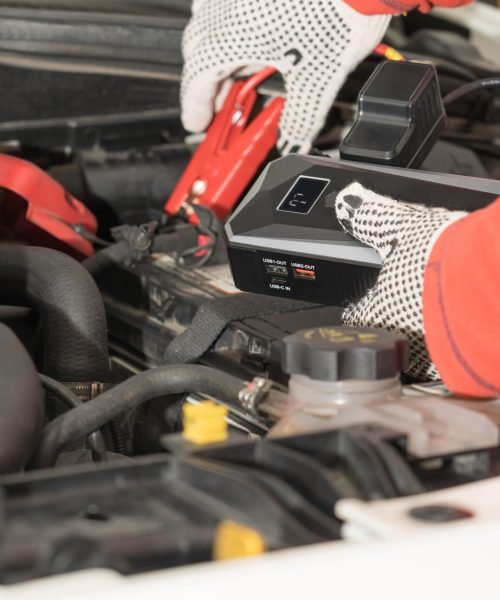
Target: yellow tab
x=205 y=423
x=328 y=333
x=367 y=338
x=233 y=540
x=308 y=335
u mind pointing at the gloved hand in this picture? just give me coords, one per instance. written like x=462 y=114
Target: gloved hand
x=404 y=235
x=314 y=44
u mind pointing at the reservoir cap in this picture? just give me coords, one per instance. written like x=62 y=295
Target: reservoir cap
x=345 y=353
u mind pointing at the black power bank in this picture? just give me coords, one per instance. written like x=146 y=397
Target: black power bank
x=284 y=238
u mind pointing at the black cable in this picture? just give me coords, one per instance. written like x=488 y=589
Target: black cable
x=208 y=249
x=181 y=241
x=103 y=259
x=155 y=383
x=95 y=439
x=90 y=237
x=469 y=88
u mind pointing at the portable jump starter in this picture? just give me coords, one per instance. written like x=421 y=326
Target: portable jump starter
x=284 y=238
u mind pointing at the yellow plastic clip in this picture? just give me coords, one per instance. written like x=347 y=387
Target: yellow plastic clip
x=233 y=540
x=393 y=54
x=205 y=423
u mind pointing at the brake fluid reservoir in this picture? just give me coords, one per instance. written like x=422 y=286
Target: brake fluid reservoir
x=341 y=377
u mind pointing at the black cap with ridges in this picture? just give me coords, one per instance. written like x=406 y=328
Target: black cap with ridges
x=342 y=353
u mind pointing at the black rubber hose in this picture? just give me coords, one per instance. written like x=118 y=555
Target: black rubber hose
x=95 y=439
x=21 y=403
x=70 y=307
x=163 y=381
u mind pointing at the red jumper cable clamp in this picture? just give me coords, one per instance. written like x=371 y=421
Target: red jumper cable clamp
x=37 y=209
x=226 y=161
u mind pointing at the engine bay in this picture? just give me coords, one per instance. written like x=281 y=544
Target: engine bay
x=178 y=385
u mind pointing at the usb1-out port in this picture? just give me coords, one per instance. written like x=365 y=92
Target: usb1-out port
x=276 y=270
x=300 y=273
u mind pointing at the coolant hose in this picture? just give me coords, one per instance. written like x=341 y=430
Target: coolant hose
x=163 y=381
x=21 y=403
x=70 y=307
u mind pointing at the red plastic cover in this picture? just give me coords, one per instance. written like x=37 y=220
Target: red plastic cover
x=36 y=209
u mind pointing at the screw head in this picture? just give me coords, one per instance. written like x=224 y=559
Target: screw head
x=199 y=187
x=440 y=513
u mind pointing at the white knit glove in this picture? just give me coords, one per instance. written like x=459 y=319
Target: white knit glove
x=404 y=235
x=315 y=44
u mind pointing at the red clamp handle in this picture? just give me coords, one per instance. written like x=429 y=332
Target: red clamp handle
x=231 y=154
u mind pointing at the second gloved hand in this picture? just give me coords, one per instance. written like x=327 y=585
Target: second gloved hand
x=404 y=235
x=314 y=44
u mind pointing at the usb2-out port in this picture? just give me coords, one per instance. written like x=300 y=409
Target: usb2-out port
x=300 y=273
x=276 y=270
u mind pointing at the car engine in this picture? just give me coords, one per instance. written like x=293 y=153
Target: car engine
x=177 y=384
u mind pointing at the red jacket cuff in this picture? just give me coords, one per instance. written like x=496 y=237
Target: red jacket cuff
x=460 y=304
x=396 y=7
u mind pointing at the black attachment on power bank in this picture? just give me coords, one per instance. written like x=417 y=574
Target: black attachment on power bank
x=400 y=116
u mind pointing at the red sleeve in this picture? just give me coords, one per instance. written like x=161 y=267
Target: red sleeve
x=462 y=304
x=396 y=7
